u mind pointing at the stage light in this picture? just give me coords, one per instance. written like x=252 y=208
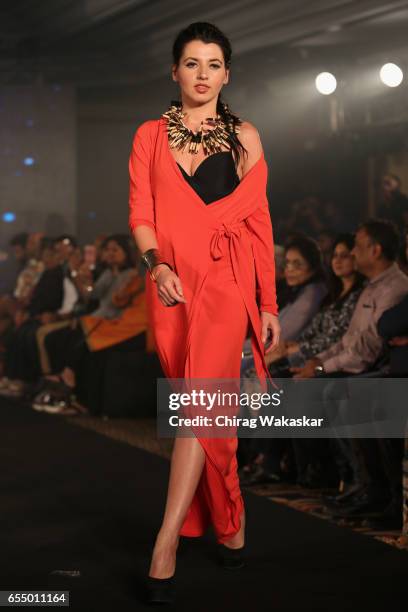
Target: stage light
x=391 y=75
x=326 y=83
x=29 y=161
x=9 y=217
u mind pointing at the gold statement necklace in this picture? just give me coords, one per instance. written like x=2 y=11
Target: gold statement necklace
x=180 y=136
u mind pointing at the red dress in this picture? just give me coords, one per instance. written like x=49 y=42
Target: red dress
x=223 y=254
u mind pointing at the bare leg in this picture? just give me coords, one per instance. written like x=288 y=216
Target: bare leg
x=238 y=540
x=67 y=375
x=187 y=462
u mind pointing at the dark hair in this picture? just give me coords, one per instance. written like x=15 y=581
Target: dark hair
x=19 y=240
x=126 y=244
x=309 y=249
x=209 y=33
x=334 y=282
x=384 y=233
x=46 y=243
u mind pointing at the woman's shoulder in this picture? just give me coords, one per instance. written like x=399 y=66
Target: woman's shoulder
x=251 y=141
x=149 y=124
x=249 y=135
x=248 y=128
x=146 y=129
x=315 y=287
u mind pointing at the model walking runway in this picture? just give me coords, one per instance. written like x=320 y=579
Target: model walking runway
x=205 y=234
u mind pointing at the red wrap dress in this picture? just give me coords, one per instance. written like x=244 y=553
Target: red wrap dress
x=223 y=254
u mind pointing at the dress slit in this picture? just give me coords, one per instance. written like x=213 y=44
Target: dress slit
x=222 y=320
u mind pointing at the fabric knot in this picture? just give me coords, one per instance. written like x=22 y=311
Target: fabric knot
x=217 y=241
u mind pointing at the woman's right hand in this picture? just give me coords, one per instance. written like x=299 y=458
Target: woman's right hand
x=169 y=286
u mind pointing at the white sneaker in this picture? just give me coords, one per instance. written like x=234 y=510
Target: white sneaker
x=55 y=408
x=46 y=401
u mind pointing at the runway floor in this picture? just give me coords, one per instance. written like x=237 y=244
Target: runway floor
x=73 y=500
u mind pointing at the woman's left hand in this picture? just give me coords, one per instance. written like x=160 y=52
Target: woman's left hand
x=270 y=322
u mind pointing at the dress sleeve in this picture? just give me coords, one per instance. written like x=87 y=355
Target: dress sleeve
x=260 y=225
x=141 y=201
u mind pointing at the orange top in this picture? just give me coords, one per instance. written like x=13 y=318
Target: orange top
x=191 y=234
x=101 y=333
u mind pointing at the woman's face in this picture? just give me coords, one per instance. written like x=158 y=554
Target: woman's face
x=297 y=269
x=114 y=255
x=201 y=64
x=343 y=264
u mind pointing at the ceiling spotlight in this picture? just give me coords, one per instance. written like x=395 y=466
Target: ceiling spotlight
x=9 y=217
x=326 y=83
x=391 y=75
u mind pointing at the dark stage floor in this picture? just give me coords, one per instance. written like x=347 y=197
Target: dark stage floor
x=77 y=501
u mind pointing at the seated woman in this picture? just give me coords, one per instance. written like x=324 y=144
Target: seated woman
x=327 y=326
x=301 y=296
x=333 y=318
x=305 y=286
x=120 y=316
x=21 y=364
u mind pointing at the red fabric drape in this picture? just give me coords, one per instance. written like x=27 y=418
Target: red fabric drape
x=196 y=238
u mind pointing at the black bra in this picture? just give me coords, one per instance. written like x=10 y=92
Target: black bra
x=215 y=177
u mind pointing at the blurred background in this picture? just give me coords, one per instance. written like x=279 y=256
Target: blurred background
x=78 y=77
x=325 y=83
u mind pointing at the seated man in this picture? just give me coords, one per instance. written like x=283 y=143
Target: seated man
x=383 y=456
x=393 y=327
x=375 y=252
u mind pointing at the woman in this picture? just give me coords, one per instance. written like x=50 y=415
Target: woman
x=305 y=289
x=326 y=328
x=299 y=298
x=68 y=348
x=200 y=217
x=333 y=318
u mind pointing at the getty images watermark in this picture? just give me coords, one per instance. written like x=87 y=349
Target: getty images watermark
x=215 y=401
x=327 y=407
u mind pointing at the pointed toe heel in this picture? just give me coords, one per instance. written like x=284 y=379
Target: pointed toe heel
x=160 y=590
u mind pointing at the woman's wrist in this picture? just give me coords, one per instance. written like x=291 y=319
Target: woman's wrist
x=152 y=258
x=157 y=269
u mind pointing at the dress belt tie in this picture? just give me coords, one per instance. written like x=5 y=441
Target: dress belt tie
x=217 y=243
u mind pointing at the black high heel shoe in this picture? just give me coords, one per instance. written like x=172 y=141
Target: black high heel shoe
x=160 y=590
x=231 y=558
